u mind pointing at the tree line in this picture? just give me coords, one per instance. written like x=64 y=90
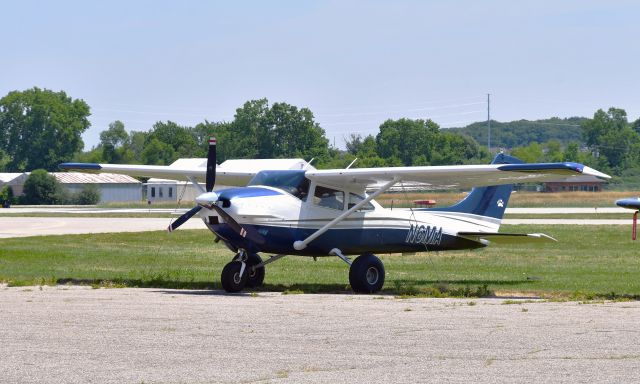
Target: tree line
x=40 y=128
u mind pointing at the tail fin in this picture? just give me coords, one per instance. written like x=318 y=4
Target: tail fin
x=486 y=201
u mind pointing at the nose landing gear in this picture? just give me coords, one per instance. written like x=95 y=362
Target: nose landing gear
x=245 y=270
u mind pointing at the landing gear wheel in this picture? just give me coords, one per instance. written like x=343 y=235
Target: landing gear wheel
x=231 y=279
x=255 y=276
x=366 y=274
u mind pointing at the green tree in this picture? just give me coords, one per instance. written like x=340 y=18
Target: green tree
x=532 y=153
x=158 y=153
x=404 y=141
x=136 y=145
x=178 y=137
x=261 y=131
x=6 y=196
x=572 y=153
x=92 y=156
x=520 y=133
x=43 y=188
x=636 y=126
x=554 y=151
x=41 y=128
x=228 y=148
x=452 y=148
x=366 y=150
x=294 y=133
x=4 y=160
x=610 y=137
x=115 y=144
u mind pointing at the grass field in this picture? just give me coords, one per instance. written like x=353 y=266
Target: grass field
x=587 y=262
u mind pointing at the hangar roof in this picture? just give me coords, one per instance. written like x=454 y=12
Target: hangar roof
x=7 y=177
x=93 y=178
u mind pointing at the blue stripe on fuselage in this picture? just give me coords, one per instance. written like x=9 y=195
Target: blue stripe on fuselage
x=353 y=241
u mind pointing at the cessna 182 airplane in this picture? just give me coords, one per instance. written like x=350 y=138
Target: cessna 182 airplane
x=309 y=212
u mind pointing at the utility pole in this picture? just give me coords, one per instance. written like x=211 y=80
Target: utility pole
x=489 y=122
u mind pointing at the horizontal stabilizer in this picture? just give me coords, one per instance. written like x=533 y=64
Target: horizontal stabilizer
x=507 y=238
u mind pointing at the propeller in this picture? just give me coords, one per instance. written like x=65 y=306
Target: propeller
x=209 y=199
x=210 y=183
x=182 y=219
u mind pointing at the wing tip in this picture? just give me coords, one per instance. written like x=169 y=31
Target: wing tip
x=80 y=166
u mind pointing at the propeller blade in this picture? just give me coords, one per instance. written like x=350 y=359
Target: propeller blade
x=250 y=234
x=211 y=164
x=182 y=219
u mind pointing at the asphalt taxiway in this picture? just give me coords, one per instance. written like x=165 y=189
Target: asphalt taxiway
x=16 y=226
x=78 y=334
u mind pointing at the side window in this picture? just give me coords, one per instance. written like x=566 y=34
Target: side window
x=329 y=198
x=153 y=191
x=355 y=199
x=170 y=191
x=160 y=192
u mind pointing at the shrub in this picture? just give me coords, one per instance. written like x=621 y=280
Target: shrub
x=6 y=195
x=42 y=188
x=89 y=195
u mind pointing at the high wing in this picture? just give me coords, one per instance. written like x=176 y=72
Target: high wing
x=229 y=173
x=453 y=176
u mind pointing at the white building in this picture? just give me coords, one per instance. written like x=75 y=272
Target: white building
x=112 y=187
x=14 y=180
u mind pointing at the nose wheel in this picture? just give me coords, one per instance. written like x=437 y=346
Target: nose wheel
x=255 y=273
x=234 y=276
x=245 y=270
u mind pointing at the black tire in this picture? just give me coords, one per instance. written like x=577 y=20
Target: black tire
x=255 y=277
x=366 y=274
x=231 y=280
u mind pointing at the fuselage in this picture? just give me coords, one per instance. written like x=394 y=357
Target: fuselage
x=283 y=218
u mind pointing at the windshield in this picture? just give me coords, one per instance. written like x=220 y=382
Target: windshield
x=293 y=181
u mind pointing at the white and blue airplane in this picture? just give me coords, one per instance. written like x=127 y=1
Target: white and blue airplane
x=309 y=212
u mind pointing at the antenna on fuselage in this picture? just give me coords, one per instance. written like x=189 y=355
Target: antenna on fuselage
x=354 y=160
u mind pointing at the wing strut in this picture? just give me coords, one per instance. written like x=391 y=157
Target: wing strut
x=302 y=244
x=196 y=184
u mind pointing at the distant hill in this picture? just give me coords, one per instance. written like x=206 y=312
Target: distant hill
x=523 y=132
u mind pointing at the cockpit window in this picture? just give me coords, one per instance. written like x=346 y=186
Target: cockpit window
x=355 y=199
x=293 y=181
x=328 y=198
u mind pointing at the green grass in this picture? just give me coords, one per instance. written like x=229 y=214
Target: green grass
x=588 y=262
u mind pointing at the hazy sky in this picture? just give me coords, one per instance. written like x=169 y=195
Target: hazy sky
x=353 y=63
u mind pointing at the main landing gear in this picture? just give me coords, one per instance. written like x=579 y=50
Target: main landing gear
x=366 y=272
